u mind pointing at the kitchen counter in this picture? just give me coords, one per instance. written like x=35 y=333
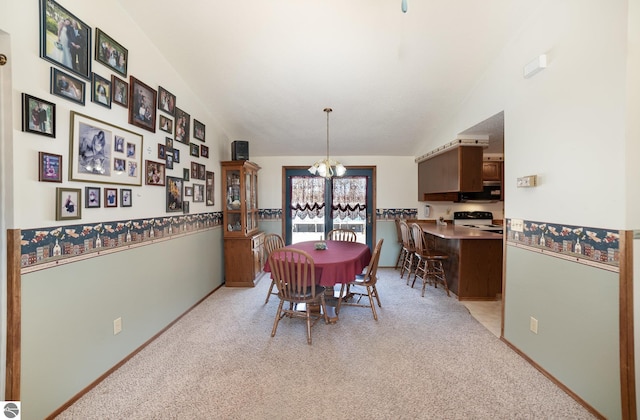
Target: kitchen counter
x=474 y=266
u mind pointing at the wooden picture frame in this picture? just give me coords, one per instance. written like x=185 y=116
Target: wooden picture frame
x=166 y=101
x=126 y=197
x=175 y=194
x=185 y=207
x=162 y=151
x=181 y=123
x=168 y=141
x=154 y=173
x=92 y=197
x=185 y=174
x=169 y=159
x=194 y=150
x=119 y=91
x=194 y=170
x=198 y=193
x=188 y=191
x=49 y=167
x=198 y=130
x=204 y=151
x=111 y=53
x=142 y=105
x=111 y=197
x=65 y=40
x=201 y=171
x=66 y=86
x=100 y=90
x=68 y=203
x=92 y=154
x=176 y=155
x=38 y=116
x=165 y=124
x=210 y=189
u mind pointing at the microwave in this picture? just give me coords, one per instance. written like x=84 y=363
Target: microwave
x=490 y=192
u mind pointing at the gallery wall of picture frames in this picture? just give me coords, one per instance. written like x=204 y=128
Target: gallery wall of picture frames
x=104 y=152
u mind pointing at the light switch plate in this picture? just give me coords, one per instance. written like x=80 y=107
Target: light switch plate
x=527 y=181
x=517 y=225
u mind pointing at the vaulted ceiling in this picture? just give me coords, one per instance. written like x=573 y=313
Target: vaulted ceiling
x=268 y=68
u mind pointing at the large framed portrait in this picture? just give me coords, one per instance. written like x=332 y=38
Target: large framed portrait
x=100 y=90
x=210 y=190
x=110 y=53
x=67 y=86
x=154 y=172
x=68 y=203
x=38 y=116
x=142 y=105
x=182 y=122
x=65 y=40
x=119 y=91
x=166 y=101
x=49 y=167
x=175 y=193
x=95 y=156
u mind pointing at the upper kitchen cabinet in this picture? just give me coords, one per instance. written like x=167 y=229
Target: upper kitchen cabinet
x=443 y=176
x=492 y=171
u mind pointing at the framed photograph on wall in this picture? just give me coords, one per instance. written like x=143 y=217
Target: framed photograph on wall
x=111 y=197
x=166 y=101
x=92 y=197
x=110 y=53
x=194 y=150
x=176 y=155
x=182 y=122
x=38 y=116
x=65 y=40
x=198 y=130
x=68 y=203
x=125 y=197
x=198 y=193
x=162 y=151
x=204 y=151
x=119 y=91
x=142 y=105
x=50 y=167
x=175 y=198
x=188 y=191
x=210 y=190
x=154 y=172
x=185 y=174
x=185 y=207
x=165 y=124
x=67 y=86
x=92 y=152
x=100 y=90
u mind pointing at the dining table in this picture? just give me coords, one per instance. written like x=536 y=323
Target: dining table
x=338 y=263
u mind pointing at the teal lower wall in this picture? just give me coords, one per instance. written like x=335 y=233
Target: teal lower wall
x=577 y=308
x=68 y=312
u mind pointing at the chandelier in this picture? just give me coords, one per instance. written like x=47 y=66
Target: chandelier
x=327 y=167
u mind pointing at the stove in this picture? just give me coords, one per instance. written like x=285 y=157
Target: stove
x=482 y=220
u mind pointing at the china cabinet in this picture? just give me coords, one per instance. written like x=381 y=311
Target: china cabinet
x=243 y=256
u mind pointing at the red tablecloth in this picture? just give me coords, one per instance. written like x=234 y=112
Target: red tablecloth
x=339 y=263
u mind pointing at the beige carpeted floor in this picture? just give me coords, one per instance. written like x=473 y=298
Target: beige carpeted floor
x=424 y=358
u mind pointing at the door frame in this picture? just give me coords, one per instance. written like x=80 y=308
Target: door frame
x=371 y=189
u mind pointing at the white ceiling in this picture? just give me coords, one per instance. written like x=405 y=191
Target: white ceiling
x=268 y=68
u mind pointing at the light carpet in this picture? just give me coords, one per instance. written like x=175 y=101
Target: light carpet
x=424 y=358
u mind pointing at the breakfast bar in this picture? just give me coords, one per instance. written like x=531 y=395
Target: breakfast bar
x=474 y=266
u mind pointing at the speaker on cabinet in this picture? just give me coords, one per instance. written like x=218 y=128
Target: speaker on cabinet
x=240 y=150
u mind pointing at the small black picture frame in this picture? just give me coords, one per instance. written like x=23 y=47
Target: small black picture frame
x=194 y=150
x=110 y=53
x=119 y=91
x=66 y=86
x=111 y=197
x=198 y=130
x=100 y=90
x=126 y=197
x=92 y=198
x=38 y=116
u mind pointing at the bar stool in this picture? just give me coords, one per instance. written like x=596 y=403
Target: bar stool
x=429 y=266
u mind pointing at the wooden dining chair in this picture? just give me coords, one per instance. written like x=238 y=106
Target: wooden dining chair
x=346 y=235
x=408 y=263
x=402 y=251
x=271 y=242
x=367 y=281
x=294 y=273
x=429 y=266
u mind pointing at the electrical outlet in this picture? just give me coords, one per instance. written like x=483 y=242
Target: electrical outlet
x=533 y=325
x=117 y=326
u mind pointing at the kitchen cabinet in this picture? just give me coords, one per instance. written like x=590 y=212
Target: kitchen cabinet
x=492 y=171
x=443 y=176
x=243 y=258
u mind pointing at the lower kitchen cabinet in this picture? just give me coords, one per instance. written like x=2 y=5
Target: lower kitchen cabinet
x=243 y=260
